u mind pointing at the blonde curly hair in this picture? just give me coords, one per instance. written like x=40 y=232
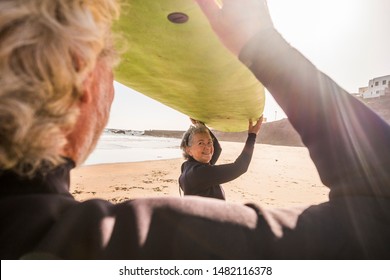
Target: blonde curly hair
x=47 y=49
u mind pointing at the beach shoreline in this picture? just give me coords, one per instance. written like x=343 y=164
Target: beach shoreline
x=278 y=176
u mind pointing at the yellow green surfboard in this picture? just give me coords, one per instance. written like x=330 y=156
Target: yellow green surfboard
x=173 y=56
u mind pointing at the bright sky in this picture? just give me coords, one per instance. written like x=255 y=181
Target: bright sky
x=347 y=40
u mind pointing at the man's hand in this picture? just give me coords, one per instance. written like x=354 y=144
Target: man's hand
x=236 y=21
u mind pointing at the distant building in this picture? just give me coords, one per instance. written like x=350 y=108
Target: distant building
x=362 y=90
x=376 y=87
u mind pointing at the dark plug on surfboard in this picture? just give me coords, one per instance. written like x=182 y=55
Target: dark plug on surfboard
x=178 y=17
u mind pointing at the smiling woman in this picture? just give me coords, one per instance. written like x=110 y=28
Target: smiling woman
x=198 y=144
x=199 y=174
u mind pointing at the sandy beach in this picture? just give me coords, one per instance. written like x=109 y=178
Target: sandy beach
x=278 y=176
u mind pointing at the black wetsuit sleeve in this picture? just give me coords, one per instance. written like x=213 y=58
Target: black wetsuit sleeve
x=348 y=142
x=202 y=176
x=217 y=149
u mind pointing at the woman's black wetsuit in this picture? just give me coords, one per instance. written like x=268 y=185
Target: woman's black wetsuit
x=205 y=179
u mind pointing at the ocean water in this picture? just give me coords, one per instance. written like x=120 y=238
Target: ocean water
x=115 y=148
